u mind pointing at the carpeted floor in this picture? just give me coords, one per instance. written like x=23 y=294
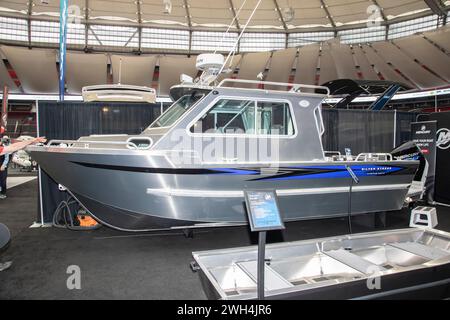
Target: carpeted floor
x=117 y=265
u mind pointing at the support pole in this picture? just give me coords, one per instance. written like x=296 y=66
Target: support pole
x=385 y=97
x=4 y=110
x=63 y=13
x=261 y=263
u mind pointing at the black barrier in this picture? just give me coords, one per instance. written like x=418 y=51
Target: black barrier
x=359 y=130
x=365 y=131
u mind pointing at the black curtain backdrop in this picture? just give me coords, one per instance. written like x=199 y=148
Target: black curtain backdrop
x=403 y=128
x=359 y=130
x=365 y=131
x=71 y=120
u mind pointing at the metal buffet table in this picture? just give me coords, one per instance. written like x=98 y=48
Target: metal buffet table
x=404 y=263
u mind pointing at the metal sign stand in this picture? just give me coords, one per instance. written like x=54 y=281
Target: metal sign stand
x=261 y=263
x=263 y=215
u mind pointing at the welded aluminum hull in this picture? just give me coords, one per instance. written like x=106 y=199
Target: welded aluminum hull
x=391 y=264
x=137 y=190
x=138 y=182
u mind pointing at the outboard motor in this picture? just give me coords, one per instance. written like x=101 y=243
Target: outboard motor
x=410 y=151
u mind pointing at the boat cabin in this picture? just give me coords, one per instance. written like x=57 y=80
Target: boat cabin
x=234 y=114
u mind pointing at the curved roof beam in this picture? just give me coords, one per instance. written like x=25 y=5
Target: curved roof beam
x=325 y=8
x=29 y=14
x=277 y=7
x=437 y=7
x=188 y=14
x=139 y=29
x=139 y=11
x=86 y=24
x=233 y=11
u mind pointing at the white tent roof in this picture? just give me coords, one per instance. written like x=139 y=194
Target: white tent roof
x=271 y=14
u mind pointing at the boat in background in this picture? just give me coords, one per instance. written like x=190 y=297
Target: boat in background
x=118 y=92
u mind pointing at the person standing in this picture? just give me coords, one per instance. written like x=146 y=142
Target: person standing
x=9 y=149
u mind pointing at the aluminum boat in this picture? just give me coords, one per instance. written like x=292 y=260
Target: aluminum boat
x=391 y=264
x=189 y=168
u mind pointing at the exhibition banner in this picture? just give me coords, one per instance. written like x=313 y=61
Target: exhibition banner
x=442 y=183
x=424 y=136
x=62 y=47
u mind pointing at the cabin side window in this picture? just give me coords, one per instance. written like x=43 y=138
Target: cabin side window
x=231 y=116
x=274 y=118
x=228 y=116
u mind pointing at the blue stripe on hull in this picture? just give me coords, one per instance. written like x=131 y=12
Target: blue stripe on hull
x=314 y=172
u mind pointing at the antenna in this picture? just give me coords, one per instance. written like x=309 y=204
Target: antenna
x=240 y=35
x=229 y=26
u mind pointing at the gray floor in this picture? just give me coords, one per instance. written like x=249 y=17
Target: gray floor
x=116 y=265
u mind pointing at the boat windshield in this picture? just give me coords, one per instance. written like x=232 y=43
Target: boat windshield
x=176 y=110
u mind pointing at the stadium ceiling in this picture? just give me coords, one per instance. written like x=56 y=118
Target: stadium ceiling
x=272 y=15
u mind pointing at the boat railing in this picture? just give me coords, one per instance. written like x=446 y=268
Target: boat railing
x=337 y=156
x=291 y=87
x=87 y=143
x=374 y=157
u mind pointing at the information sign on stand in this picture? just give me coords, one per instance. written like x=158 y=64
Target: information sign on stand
x=263 y=215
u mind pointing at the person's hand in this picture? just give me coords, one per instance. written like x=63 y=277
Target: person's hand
x=2 y=168
x=40 y=140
